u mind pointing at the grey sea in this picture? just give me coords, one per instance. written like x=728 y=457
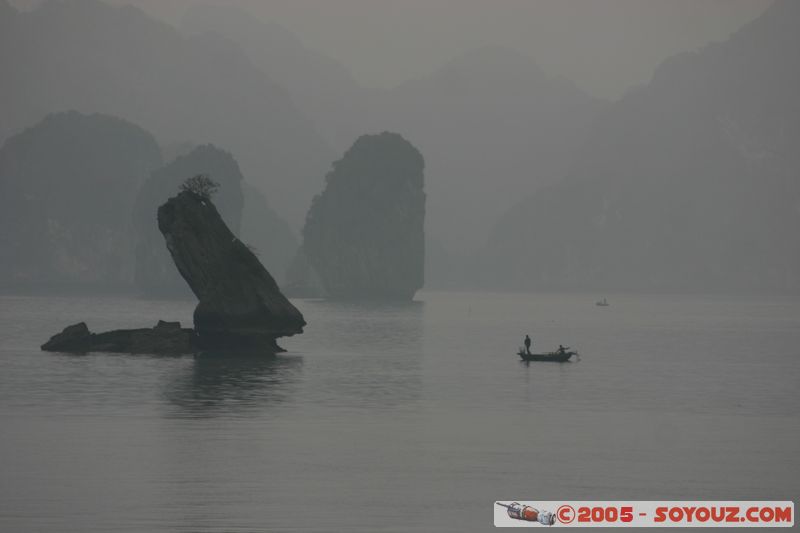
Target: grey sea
x=413 y=417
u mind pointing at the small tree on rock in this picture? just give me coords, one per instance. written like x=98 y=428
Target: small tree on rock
x=200 y=185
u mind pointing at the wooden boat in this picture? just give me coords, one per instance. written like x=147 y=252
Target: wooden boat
x=553 y=357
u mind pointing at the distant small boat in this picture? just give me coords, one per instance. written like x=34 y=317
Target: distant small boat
x=602 y=303
x=552 y=357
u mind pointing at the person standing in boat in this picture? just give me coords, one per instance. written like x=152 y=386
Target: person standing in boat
x=527 y=344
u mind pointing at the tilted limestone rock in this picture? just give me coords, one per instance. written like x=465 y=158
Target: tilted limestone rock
x=240 y=304
x=155 y=275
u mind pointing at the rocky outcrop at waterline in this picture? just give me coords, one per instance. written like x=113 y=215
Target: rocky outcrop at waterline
x=240 y=303
x=166 y=338
x=240 y=307
x=365 y=234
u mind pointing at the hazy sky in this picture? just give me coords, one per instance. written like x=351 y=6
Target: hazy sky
x=605 y=46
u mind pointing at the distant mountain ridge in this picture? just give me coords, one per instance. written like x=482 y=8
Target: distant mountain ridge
x=320 y=86
x=689 y=183
x=493 y=126
x=93 y=57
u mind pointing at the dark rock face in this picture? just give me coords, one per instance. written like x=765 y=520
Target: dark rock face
x=166 y=338
x=240 y=304
x=365 y=235
x=66 y=194
x=155 y=274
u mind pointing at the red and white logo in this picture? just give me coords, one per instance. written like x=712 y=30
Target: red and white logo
x=644 y=514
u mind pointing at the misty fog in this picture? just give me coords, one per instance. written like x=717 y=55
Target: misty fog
x=609 y=145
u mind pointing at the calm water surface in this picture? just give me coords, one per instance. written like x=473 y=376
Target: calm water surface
x=409 y=417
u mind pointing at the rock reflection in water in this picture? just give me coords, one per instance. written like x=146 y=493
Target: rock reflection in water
x=217 y=384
